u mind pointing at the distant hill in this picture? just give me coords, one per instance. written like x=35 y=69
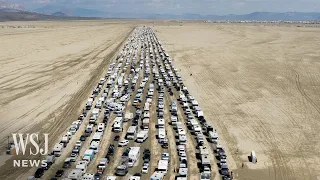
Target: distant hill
x=18 y=12
x=252 y=16
x=81 y=12
x=61 y=14
x=13 y=7
x=269 y=16
x=31 y=16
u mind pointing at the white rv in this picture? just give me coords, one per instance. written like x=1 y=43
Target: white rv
x=128 y=116
x=82 y=165
x=75 y=174
x=133 y=155
x=163 y=166
x=142 y=136
x=117 y=125
x=161 y=134
x=213 y=137
x=160 y=123
x=97 y=136
x=157 y=176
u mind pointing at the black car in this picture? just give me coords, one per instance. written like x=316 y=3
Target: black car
x=111 y=150
x=83 y=138
x=66 y=164
x=97 y=176
x=59 y=173
x=146 y=151
x=39 y=173
x=116 y=138
x=137 y=174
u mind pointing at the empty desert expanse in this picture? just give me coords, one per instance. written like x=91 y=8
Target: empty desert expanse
x=48 y=71
x=259 y=86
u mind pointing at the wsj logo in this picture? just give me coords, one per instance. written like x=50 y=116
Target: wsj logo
x=20 y=144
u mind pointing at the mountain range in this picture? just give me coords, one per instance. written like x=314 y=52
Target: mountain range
x=11 y=7
x=61 y=11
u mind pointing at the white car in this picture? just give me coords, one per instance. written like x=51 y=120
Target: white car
x=183 y=154
x=123 y=143
x=145 y=168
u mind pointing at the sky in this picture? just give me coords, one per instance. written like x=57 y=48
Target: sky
x=203 y=7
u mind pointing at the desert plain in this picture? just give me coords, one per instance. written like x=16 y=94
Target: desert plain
x=258 y=85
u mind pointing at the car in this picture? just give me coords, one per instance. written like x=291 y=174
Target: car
x=79 y=143
x=76 y=149
x=111 y=150
x=39 y=173
x=116 y=138
x=67 y=163
x=59 y=173
x=73 y=157
x=46 y=166
x=83 y=138
x=137 y=174
x=183 y=154
x=165 y=156
x=123 y=143
x=145 y=168
x=97 y=176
